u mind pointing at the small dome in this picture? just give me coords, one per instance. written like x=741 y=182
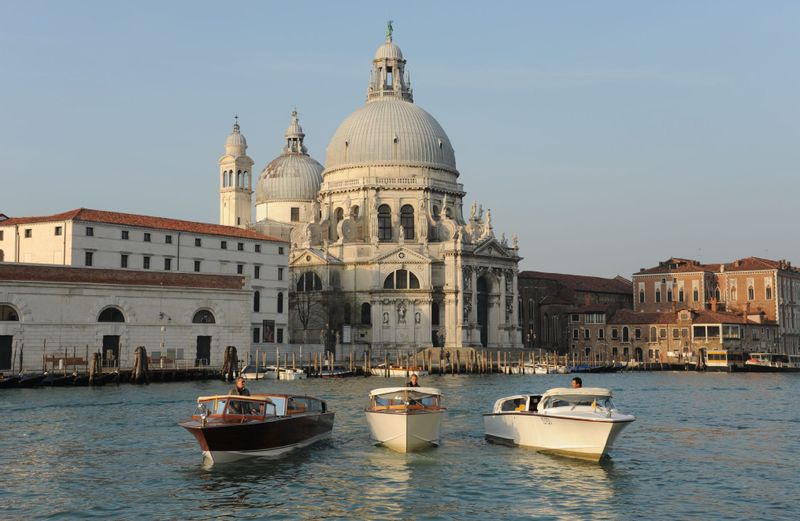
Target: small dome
x=390 y=131
x=388 y=51
x=236 y=144
x=292 y=177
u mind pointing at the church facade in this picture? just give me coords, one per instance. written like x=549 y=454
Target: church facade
x=383 y=251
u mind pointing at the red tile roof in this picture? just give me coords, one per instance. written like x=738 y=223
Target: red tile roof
x=584 y=282
x=144 y=221
x=692 y=266
x=628 y=316
x=69 y=274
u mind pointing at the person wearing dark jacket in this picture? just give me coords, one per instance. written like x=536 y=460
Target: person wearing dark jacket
x=239 y=389
x=414 y=381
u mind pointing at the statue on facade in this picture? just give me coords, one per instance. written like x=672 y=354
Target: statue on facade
x=503 y=240
x=515 y=241
x=473 y=212
x=401 y=313
x=385 y=318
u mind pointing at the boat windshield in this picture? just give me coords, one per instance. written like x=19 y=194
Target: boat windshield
x=576 y=400
x=229 y=405
x=406 y=397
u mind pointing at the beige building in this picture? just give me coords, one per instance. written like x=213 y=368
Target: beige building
x=382 y=250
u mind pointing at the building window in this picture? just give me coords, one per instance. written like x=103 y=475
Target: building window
x=204 y=316
x=280 y=273
x=88 y=258
x=1 y=235
x=90 y=231
x=111 y=314
x=658 y=295
x=168 y=239
x=125 y=235
x=625 y=334
x=366 y=313
x=280 y=250
x=197 y=266
x=637 y=333
x=676 y=333
x=256 y=272
x=146 y=262
x=146 y=236
x=8 y=314
x=240 y=246
x=123 y=261
x=167 y=264
x=240 y=269
x=601 y=334
x=614 y=333
x=223 y=245
x=751 y=293
x=198 y=242
x=256 y=335
x=587 y=334
x=680 y=295
x=295 y=217
x=641 y=297
x=257 y=301
x=662 y=332
x=257 y=248
x=652 y=334
x=401 y=279
x=574 y=334
x=384 y=223
x=669 y=295
x=280 y=302
x=407 y=221
x=309 y=281
x=696 y=295
x=279 y=335
x=768 y=292
x=59 y=230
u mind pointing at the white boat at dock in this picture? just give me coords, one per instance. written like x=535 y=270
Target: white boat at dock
x=251 y=372
x=291 y=374
x=582 y=422
x=397 y=372
x=405 y=419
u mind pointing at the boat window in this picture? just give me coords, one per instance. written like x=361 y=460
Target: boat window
x=517 y=404
x=298 y=404
x=280 y=404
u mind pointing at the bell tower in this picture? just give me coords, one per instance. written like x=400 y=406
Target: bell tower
x=235 y=181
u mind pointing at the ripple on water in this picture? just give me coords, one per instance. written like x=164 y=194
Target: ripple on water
x=703 y=445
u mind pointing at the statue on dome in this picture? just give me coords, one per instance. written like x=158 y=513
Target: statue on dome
x=515 y=241
x=389 y=30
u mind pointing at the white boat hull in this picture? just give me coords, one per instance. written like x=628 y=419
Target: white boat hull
x=396 y=372
x=405 y=431
x=291 y=374
x=583 y=438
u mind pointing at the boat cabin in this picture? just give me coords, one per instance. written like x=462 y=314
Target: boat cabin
x=258 y=407
x=518 y=403
x=585 y=396
x=398 y=398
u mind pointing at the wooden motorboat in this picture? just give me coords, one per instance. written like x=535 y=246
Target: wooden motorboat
x=405 y=419
x=230 y=428
x=581 y=422
x=770 y=363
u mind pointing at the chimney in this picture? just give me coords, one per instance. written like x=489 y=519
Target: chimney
x=713 y=304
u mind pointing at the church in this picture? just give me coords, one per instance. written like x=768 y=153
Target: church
x=383 y=252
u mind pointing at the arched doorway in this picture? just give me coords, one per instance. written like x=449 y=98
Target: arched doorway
x=483 y=309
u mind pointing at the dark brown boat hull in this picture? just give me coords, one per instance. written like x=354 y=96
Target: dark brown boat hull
x=223 y=442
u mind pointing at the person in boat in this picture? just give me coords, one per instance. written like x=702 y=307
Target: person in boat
x=414 y=381
x=577 y=383
x=239 y=388
x=238 y=406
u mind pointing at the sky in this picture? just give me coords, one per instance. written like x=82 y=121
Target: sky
x=608 y=135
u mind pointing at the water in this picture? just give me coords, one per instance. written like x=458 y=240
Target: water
x=704 y=446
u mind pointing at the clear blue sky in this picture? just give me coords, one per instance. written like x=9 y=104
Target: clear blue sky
x=608 y=135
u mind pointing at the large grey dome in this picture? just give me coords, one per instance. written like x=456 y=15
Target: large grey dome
x=292 y=176
x=390 y=131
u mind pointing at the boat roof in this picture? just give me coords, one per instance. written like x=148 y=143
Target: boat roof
x=420 y=390
x=581 y=391
x=258 y=397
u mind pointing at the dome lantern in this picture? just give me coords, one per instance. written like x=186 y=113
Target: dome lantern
x=388 y=77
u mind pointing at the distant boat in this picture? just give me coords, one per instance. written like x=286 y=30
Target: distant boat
x=397 y=372
x=336 y=372
x=250 y=372
x=291 y=374
x=582 y=423
x=405 y=419
x=770 y=363
x=229 y=428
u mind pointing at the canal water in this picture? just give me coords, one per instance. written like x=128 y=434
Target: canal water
x=704 y=446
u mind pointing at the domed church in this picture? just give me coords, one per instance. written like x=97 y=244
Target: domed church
x=382 y=252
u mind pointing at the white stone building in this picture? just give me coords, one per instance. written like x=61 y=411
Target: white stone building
x=128 y=242
x=382 y=252
x=63 y=312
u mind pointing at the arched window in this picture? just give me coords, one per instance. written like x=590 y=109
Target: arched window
x=626 y=334
x=366 y=313
x=658 y=295
x=111 y=314
x=751 y=293
x=407 y=221
x=435 y=314
x=669 y=295
x=716 y=293
x=224 y=178
x=384 y=223
x=309 y=281
x=8 y=314
x=641 y=296
x=435 y=212
x=203 y=316
x=256 y=301
x=401 y=279
x=339 y=214
x=238 y=179
x=280 y=302
x=680 y=295
x=733 y=293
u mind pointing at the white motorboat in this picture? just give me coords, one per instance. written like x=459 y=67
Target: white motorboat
x=405 y=419
x=250 y=372
x=291 y=374
x=397 y=372
x=581 y=422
